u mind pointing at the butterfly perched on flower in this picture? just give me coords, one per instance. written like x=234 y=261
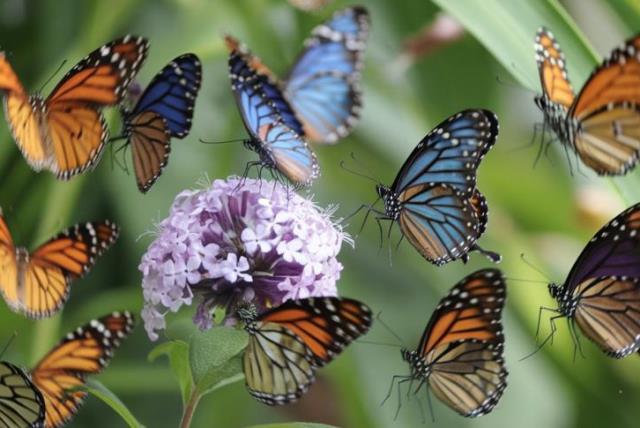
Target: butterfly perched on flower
x=21 y=402
x=602 y=291
x=434 y=197
x=37 y=284
x=164 y=110
x=459 y=357
x=289 y=342
x=602 y=122
x=84 y=351
x=66 y=132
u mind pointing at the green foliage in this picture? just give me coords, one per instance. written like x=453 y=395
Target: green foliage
x=100 y=391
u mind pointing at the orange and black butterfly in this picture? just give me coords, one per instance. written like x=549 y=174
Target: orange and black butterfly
x=37 y=284
x=66 y=132
x=602 y=123
x=84 y=351
x=288 y=343
x=460 y=354
x=602 y=291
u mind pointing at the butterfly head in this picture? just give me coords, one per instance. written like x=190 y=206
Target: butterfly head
x=541 y=102
x=419 y=366
x=247 y=313
x=390 y=199
x=555 y=290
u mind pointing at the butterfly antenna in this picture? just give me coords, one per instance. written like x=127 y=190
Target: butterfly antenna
x=393 y=333
x=358 y=173
x=532 y=266
x=52 y=76
x=9 y=342
x=533 y=281
x=237 y=140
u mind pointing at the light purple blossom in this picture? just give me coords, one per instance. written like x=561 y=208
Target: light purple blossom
x=240 y=240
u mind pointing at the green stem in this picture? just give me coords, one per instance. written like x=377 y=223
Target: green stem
x=190 y=409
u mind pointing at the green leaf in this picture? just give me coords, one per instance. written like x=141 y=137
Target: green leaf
x=293 y=425
x=214 y=357
x=99 y=390
x=628 y=11
x=507 y=29
x=178 y=353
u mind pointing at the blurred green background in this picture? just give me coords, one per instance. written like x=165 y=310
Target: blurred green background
x=540 y=211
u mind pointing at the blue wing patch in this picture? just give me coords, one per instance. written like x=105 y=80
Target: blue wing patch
x=275 y=131
x=323 y=84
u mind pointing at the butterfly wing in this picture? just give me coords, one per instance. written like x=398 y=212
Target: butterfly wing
x=8 y=263
x=290 y=341
x=149 y=137
x=604 y=281
x=21 y=403
x=269 y=119
x=76 y=131
x=172 y=94
x=85 y=351
x=463 y=344
x=450 y=153
x=323 y=84
x=44 y=277
x=608 y=112
x=556 y=87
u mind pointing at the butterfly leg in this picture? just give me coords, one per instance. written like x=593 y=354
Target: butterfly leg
x=552 y=322
x=393 y=381
x=577 y=346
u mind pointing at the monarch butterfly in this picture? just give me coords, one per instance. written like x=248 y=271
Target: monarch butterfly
x=434 y=196
x=21 y=403
x=37 y=284
x=602 y=292
x=84 y=351
x=66 y=132
x=460 y=354
x=163 y=111
x=288 y=343
x=602 y=123
x=274 y=130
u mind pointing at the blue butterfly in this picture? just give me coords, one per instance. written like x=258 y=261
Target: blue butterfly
x=434 y=197
x=164 y=110
x=323 y=84
x=276 y=134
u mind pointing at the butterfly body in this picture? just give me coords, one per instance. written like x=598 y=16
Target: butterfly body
x=601 y=123
x=601 y=294
x=460 y=354
x=434 y=197
x=288 y=343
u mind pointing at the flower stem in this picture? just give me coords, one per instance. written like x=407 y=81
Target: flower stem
x=190 y=408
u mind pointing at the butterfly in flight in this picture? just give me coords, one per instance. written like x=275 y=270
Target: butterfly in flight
x=66 y=132
x=459 y=357
x=602 y=123
x=602 y=291
x=83 y=352
x=288 y=343
x=21 y=402
x=434 y=197
x=37 y=284
x=164 y=110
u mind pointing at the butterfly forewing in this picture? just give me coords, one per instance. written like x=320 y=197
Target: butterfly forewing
x=149 y=139
x=323 y=84
x=460 y=353
x=21 y=403
x=83 y=352
x=552 y=69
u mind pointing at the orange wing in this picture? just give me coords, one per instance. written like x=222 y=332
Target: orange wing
x=8 y=265
x=325 y=324
x=552 y=68
x=39 y=285
x=76 y=129
x=85 y=351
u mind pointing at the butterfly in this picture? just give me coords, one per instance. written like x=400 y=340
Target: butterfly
x=323 y=86
x=289 y=342
x=66 y=132
x=37 y=284
x=275 y=133
x=602 y=123
x=164 y=110
x=434 y=197
x=602 y=291
x=84 y=351
x=459 y=356
x=21 y=403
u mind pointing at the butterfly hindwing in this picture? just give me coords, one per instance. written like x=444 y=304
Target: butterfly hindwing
x=85 y=351
x=21 y=403
x=323 y=86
